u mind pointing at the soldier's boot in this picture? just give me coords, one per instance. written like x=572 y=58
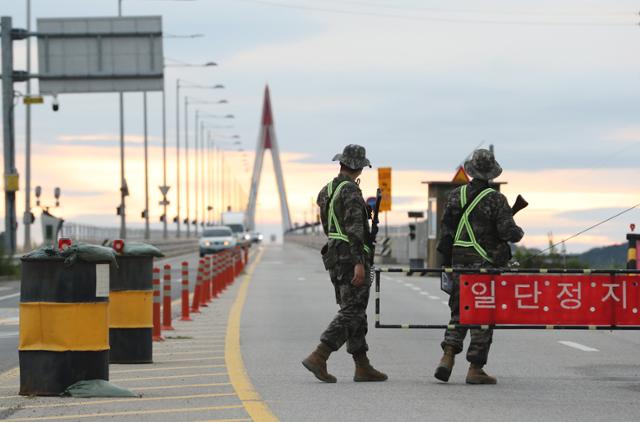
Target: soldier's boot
x=316 y=362
x=476 y=375
x=443 y=371
x=364 y=370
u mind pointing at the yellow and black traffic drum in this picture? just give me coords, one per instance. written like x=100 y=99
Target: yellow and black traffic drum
x=63 y=324
x=131 y=310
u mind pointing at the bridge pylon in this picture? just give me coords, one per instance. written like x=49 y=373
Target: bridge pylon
x=267 y=140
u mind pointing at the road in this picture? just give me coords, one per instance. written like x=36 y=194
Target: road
x=10 y=299
x=542 y=375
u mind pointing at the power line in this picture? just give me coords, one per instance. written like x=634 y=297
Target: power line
x=431 y=18
x=584 y=231
x=396 y=6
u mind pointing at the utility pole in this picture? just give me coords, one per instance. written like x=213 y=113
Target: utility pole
x=197 y=176
x=164 y=188
x=27 y=152
x=186 y=155
x=177 y=158
x=11 y=182
x=146 y=167
x=124 y=191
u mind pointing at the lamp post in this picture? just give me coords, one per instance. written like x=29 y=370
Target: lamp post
x=181 y=83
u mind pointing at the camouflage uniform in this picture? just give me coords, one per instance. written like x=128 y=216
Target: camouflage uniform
x=350 y=324
x=493 y=226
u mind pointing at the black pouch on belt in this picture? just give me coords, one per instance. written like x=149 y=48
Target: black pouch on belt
x=329 y=257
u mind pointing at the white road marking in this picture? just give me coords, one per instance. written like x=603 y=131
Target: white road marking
x=408 y=284
x=578 y=346
x=434 y=297
x=416 y=288
x=10 y=334
x=301 y=279
x=424 y=293
x=3 y=288
x=444 y=302
x=10 y=296
x=10 y=321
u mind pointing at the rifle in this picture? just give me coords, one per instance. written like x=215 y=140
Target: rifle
x=375 y=221
x=520 y=204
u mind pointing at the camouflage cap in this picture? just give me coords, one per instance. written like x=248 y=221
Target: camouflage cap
x=353 y=156
x=482 y=165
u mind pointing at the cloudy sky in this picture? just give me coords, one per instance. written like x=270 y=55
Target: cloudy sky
x=552 y=85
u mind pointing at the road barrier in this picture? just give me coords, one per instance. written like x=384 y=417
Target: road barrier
x=131 y=310
x=166 y=303
x=64 y=328
x=569 y=299
x=195 y=303
x=207 y=279
x=157 y=329
x=185 y=292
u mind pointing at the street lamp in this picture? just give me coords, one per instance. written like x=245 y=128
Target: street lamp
x=181 y=83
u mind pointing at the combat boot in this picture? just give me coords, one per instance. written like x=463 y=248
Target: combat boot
x=316 y=362
x=476 y=375
x=364 y=370
x=443 y=371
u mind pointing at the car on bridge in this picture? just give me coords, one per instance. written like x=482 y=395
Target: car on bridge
x=216 y=239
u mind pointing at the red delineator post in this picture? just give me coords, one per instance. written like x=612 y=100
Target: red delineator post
x=166 y=305
x=246 y=256
x=207 y=279
x=195 y=303
x=214 y=275
x=185 y=292
x=157 y=331
x=203 y=284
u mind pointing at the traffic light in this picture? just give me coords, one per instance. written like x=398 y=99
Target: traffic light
x=143 y=214
x=162 y=218
x=119 y=210
x=175 y=219
x=412 y=231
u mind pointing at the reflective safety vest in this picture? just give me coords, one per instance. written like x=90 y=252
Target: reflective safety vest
x=464 y=224
x=337 y=232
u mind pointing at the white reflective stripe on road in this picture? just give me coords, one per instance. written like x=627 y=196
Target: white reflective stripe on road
x=10 y=296
x=578 y=346
x=10 y=334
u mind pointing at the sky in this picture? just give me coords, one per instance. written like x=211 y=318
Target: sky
x=551 y=85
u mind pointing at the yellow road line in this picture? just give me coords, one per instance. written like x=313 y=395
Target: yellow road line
x=256 y=407
x=165 y=368
x=178 y=386
x=9 y=397
x=127 y=413
x=213 y=374
x=123 y=400
x=215 y=357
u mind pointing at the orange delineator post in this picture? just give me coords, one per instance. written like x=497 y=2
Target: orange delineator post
x=215 y=280
x=202 y=282
x=246 y=256
x=185 y=292
x=166 y=305
x=157 y=330
x=195 y=303
x=207 y=279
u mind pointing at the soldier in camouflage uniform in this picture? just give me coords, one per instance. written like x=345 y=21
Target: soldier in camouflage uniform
x=489 y=218
x=347 y=256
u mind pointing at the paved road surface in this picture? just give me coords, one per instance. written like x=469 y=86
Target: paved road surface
x=10 y=299
x=543 y=375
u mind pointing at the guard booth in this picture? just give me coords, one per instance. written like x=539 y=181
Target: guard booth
x=438 y=193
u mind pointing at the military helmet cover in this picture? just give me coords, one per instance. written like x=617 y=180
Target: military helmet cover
x=353 y=156
x=482 y=165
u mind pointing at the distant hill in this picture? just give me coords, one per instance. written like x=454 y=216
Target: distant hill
x=613 y=256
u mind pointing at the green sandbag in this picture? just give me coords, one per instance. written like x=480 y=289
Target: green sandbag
x=97 y=388
x=141 y=249
x=78 y=251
